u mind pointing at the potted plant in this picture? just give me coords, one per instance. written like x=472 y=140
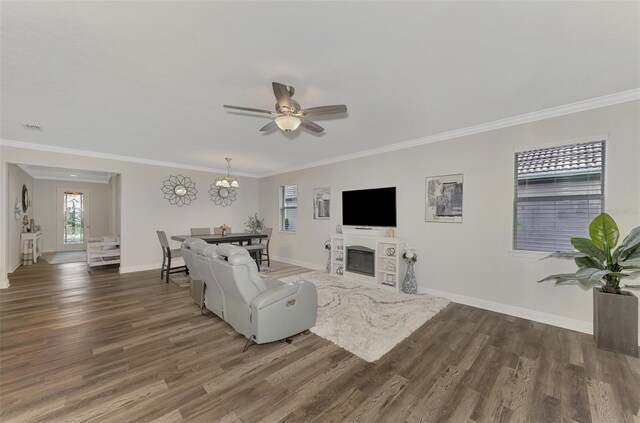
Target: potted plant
x=601 y=267
x=254 y=225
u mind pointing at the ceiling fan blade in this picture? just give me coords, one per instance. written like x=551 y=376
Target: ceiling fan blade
x=325 y=110
x=248 y=109
x=269 y=126
x=311 y=126
x=282 y=94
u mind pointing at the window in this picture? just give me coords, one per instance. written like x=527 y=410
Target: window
x=558 y=191
x=289 y=208
x=73 y=204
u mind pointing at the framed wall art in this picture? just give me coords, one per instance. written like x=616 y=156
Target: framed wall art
x=322 y=203
x=443 y=202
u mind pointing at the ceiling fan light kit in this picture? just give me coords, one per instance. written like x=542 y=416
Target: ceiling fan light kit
x=289 y=116
x=288 y=123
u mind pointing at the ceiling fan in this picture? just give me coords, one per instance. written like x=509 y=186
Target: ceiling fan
x=289 y=115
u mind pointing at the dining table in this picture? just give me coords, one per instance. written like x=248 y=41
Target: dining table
x=240 y=238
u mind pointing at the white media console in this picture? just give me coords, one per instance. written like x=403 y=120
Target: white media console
x=368 y=255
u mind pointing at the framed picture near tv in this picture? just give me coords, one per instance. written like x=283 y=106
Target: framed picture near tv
x=443 y=202
x=322 y=203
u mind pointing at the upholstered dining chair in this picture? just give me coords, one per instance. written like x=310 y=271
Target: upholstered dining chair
x=265 y=251
x=260 y=249
x=167 y=255
x=200 y=231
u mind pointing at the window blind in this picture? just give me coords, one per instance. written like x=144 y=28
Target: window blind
x=289 y=208
x=558 y=191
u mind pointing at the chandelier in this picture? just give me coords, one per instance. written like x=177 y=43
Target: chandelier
x=227 y=181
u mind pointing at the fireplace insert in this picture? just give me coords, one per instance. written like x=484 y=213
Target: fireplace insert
x=361 y=260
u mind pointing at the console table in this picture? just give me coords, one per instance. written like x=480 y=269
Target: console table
x=31 y=243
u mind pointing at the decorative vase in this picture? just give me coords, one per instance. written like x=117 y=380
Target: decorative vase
x=615 y=322
x=410 y=285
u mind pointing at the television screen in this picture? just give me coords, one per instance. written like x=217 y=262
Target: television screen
x=369 y=207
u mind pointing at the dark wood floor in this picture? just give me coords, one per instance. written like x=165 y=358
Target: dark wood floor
x=125 y=348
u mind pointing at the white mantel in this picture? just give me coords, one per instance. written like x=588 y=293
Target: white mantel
x=388 y=269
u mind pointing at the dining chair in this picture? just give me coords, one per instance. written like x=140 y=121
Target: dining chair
x=200 y=231
x=167 y=255
x=265 y=251
x=257 y=250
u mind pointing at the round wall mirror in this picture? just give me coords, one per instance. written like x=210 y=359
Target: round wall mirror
x=25 y=198
x=222 y=196
x=179 y=190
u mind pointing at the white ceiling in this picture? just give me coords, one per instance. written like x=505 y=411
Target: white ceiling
x=148 y=80
x=64 y=174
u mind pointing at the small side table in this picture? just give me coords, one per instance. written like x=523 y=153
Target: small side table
x=31 y=247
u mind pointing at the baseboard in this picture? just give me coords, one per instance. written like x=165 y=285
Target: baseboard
x=14 y=268
x=141 y=268
x=4 y=284
x=537 y=316
x=298 y=263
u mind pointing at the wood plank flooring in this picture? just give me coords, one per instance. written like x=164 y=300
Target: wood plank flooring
x=106 y=347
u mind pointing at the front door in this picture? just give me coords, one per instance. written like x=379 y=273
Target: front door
x=74 y=218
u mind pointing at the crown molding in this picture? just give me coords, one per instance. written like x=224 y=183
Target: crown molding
x=567 y=109
x=580 y=106
x=107 y=156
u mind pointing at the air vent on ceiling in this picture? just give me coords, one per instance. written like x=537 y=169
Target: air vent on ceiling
x=32 y=127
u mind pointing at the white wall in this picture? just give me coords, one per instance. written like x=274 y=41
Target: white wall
x=16 y=178
x=45 y=209
x=143 y=208
x=472 y=262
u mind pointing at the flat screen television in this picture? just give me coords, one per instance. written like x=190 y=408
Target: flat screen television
x=369 y=207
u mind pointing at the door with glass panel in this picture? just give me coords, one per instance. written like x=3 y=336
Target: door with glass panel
x=73 y=217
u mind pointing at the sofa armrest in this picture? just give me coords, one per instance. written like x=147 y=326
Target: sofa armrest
x=273 y=282
x=273 y=295
x=283 y=311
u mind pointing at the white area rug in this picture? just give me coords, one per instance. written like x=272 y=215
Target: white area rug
x=366 y=319
x=180 y=279
x=65 y=257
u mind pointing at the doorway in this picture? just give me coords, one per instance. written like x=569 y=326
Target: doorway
x=73 y=218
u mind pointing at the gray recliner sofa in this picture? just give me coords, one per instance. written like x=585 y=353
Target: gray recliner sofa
x=197 y=282
x=203 y=255
x=262 y=311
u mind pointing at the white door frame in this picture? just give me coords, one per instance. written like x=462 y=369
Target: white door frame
x=86 y=199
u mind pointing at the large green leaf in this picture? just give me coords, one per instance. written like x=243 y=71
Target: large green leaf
x=631 y=259
x=603 y=230
x=630 y=244
x=583 y=262
x=559 y=276
x=590 y=277
x=565 y=255
x=585 y=245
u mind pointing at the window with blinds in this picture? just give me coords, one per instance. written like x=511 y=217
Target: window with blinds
x=289 y=208
x=558 y=191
